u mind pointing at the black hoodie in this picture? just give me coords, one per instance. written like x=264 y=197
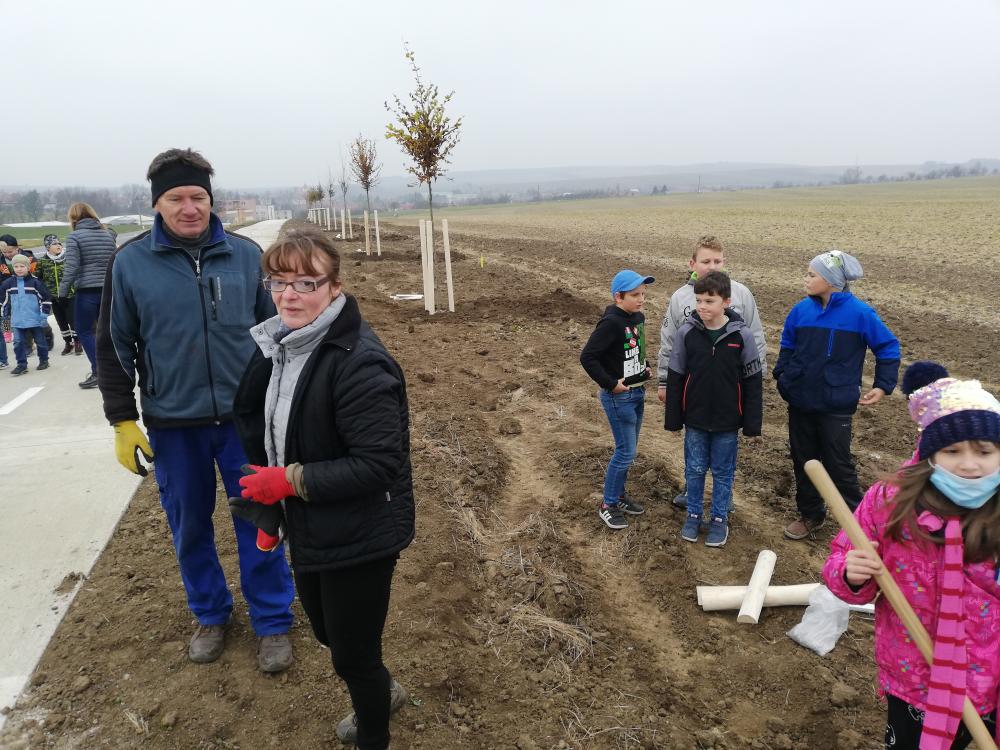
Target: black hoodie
x=617 y=347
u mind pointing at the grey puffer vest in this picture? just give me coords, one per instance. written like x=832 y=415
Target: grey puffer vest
x=89 y=248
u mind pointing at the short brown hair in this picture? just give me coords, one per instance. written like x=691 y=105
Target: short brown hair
x=301 y=248
x=709 y=241
x=715 y=283
x=186 y=156
x=78 y=211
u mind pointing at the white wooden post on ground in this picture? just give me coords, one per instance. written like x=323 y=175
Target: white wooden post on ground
x=757 y=588
x=378 y=240
x=368 y=239
x=447 y=266
x=350 y=225
x=327 y=212
x=343 y=232
x=715 y=598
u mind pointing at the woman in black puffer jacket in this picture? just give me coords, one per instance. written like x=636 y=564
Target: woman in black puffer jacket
x=89 y=248
x=324 y=420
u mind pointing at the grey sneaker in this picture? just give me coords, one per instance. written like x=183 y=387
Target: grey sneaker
x=689 y=533
x=207 y=643
x=612 y=516
x=274 y=653
x=681 y=500
x=630 y=506
x=718 y=532
x=347 y=729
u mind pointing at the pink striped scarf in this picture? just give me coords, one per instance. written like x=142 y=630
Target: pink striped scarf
x=949 y=668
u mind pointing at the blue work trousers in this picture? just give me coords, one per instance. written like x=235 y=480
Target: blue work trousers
x=185 y=461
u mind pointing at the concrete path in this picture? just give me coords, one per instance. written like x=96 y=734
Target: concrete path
x=62 y=493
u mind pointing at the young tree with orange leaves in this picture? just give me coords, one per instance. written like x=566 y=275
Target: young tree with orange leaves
x=423 y=130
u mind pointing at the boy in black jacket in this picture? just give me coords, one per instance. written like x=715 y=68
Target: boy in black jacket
x=615 y=358
x=714 y=386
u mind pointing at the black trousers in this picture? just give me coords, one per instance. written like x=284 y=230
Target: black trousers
x=347 y=610
x=64 y=319
x=905 y=724
x=826 y=437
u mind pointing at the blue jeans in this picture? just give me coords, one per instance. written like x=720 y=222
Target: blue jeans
x=185 y=472
x=87 y=307
x=710 y=450
x=21 y=345
x=624 y=412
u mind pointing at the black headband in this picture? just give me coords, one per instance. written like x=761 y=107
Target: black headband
x=179 y=174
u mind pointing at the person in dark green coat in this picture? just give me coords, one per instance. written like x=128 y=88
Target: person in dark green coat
x=50 y=271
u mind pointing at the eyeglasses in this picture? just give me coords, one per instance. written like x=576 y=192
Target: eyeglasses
x=301 y=286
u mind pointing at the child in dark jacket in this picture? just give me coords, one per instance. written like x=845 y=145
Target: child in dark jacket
x=27 y=302
x=615 y=358
x=818 y=372
x=714 y=388
x=51 y=267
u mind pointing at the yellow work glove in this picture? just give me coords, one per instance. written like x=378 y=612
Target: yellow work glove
x=129 y=443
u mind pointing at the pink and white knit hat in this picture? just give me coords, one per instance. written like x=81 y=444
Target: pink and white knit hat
x=949 y=411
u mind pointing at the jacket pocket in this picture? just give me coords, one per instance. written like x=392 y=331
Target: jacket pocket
x=787 y=381
x=229 y=298
x=150 y=380
x=843 y=387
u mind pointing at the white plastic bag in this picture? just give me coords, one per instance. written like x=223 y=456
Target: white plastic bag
x=823 y=623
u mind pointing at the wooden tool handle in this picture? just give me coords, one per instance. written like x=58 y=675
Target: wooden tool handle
x=834 y=501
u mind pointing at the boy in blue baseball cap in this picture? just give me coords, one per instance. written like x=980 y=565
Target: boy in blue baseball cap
x=615 y=358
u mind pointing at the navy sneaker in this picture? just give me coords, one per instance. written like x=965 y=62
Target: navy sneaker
x=19 y=370
x=612 y=517
x=681 y=500
x=43 y=365
x=4 y=365
x=630 y=506
x=691 y=528
x=718 y=532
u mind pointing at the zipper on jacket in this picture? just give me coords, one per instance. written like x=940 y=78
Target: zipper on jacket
x=829 y=343
x=208 y=353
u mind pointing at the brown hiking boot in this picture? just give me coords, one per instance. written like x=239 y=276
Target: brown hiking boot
x=803 y=527
x=207 y=643
x=274 y=653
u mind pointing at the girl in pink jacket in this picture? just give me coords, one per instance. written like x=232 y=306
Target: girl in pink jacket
x=936 y=524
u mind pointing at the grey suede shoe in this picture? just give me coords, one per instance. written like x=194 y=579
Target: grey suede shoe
x=347 y=730
x=207 y=643
x=274 y=653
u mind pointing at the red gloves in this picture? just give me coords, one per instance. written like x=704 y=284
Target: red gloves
x=265 y=484
x=266 y=542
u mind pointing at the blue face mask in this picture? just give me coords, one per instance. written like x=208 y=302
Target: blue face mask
x=965 y=493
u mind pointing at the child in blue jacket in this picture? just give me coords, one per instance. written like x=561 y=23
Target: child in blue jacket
x=818 y=372
x=27 y=302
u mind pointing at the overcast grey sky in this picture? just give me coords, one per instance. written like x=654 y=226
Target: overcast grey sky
x=271 y=92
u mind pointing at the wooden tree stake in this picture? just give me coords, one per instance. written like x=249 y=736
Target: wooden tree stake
x=447 y=266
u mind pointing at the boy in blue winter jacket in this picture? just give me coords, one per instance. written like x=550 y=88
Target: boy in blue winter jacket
x=714 y=388
x=27 y=302
x=818 y=372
